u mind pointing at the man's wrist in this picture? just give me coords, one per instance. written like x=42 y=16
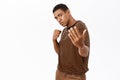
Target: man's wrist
x=55 y=40
x=81 y=45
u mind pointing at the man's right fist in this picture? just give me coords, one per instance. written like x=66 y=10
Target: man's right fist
x=56 y=34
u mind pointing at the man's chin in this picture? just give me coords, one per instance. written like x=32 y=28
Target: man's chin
x=63 y=25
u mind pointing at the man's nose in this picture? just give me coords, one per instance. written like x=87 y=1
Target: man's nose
x=59 y=20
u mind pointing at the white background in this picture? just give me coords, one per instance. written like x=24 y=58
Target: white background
x=26 y=28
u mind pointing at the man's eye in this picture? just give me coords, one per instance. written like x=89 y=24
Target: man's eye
x=55 y=17
x=60 y=15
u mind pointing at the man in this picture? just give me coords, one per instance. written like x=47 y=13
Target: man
x=74 y=46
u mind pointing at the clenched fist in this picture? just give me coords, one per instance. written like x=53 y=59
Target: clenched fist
x=56 y=34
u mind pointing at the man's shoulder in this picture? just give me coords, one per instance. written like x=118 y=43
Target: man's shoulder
x=80 y=22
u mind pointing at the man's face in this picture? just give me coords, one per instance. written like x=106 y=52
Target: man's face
x=62 y=17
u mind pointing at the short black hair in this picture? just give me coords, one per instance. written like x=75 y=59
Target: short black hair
x=60 y=6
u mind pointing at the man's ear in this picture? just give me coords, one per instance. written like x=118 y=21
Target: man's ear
x=68 y=11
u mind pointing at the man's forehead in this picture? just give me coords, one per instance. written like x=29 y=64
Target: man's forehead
x=58 y=11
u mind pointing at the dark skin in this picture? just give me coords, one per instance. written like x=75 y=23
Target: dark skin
x=65 y=19
x=78 y=40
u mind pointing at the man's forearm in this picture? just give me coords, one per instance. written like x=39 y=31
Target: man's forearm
x=83 y=51
x=56 y=46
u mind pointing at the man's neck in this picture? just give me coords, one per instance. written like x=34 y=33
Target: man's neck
x=72 y=21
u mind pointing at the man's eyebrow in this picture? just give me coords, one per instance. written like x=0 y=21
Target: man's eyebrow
x=56 y=16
